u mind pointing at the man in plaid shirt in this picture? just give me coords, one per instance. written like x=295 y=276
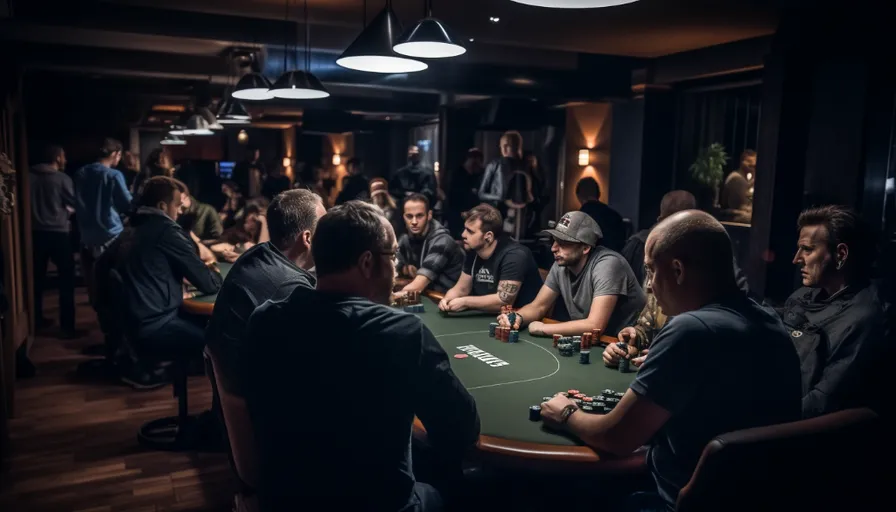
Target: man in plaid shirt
x=427 y=254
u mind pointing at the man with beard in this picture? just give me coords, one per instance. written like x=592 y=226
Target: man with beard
x=427 y=253
x=598 y=287
x=414 y=178
x=836 y=321
x=498 y=270
x=344 y=336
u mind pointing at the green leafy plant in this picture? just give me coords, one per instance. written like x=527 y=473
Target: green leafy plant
x=709 y=167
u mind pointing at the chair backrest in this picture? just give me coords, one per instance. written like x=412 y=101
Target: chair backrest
x=239 y=429
x=804 y=465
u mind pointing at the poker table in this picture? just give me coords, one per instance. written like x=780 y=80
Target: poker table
x=507 y=378
x=203 y=305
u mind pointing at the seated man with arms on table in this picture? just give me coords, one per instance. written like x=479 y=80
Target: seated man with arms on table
x=498 y=271
x=596 y=284
x=153 y=257
x=716 y=354
x=836 y=321
x=344 y=337
x=426 y=253
x=268 y=271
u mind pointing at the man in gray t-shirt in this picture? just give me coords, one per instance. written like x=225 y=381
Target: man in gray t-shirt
x=597 y=285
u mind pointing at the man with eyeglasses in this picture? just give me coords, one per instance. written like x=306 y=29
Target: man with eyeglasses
x=597 y=285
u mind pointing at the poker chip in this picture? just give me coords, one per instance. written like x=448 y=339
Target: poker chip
x=573 y=392
x=546 y=398
x=535 y=413
x=461 y=356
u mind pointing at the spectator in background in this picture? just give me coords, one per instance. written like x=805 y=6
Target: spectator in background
x=610 y=222
x=379 y=195
x=130 y=168
x=158 y=163
x=673 y=202
x=736 y=197
x=52 y=203
x=200 y=218
x=463 y=190
x=233 y=204
x=541 y=189
x=275 y=183
x=354 y=184
x=101 y=197
x=249 y=174
x=251 y=229
x=495 y=187
x=414 y=178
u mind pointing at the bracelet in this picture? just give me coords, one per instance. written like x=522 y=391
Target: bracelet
x=567 y=412
x=520 y=317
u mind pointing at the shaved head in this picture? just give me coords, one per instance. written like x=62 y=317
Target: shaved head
x=676 y=201
x=699 y=242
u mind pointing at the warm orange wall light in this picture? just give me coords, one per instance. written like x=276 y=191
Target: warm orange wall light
x=584 y=157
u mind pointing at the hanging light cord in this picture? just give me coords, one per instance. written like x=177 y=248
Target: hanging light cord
x=285 y=33
x=364 y=16
x=427 y=9
x=307 y=40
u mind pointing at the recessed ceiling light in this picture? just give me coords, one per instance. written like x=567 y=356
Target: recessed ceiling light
x=494 y=19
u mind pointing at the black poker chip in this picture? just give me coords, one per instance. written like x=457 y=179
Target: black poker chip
x=535 y=413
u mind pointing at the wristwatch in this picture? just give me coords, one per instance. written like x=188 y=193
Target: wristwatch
x=567 y=412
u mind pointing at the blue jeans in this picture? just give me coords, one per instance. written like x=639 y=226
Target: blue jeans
x=644 y=502
x=425 y=499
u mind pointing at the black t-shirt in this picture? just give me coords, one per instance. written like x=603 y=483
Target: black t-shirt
x=724 y=367
x=335 y=383
x=511 y=261
x=610 y=222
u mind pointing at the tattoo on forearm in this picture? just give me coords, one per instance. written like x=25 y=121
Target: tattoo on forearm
x=507 y=291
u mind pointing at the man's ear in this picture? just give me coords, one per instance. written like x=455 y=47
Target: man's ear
x=841 y=254
x=366 y=264
x=678 y=270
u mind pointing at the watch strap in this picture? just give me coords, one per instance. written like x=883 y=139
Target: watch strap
x=567 y=412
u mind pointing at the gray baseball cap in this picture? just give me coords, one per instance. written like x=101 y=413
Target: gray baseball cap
x=576 y=227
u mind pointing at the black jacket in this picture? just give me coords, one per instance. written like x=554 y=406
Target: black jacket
x=354 y=187
x=154 y=255
x=414 y=178
x=839 y=340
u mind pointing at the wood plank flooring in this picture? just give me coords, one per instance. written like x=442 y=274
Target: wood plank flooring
x=74 y=440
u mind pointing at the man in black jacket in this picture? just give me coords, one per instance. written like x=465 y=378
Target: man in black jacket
x=355 y=184
x=609 y=220
x=154 y=257
x=414 y=178
x=344 y=336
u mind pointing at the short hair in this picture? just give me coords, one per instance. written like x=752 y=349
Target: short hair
x=587 y=188
x=845 y=226
x=50 y=153
x=354 y=161
x=697 y=239
x=747 y=153
x=489 y=215
x=420 y=198
x=110 y=146
x=184 y=189
x=159 y=189
x=344 y=234
x=677 y=201
x=475 y=153
x=290 y=214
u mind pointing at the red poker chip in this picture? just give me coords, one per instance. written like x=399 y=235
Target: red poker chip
x=461 y=356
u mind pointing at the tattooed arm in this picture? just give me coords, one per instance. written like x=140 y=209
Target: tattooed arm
x=507 y=292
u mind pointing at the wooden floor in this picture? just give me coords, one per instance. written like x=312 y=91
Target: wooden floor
x=74 y=446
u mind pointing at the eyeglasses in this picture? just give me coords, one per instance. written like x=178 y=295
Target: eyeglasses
x=393 y=256
x=648 y=275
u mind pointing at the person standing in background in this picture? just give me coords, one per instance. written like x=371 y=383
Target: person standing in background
x=250 y=174
x=101 y=197
x=354 y=185
x=506 y=185
x=158 y=163
x=130 y=168
x=275 y=183
x=609 y=220
x=414 y=178
x=52 y=203
x=463 y=190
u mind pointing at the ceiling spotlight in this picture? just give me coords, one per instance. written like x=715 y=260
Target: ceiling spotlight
x=471 y=39
x=494 y=19
x=574 y=4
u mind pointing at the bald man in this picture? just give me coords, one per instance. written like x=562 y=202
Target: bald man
x=718 y=352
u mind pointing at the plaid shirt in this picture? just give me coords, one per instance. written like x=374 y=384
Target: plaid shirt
x=649 y=322
x=437 y=256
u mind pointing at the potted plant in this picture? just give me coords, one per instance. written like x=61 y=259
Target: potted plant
x=708 y=171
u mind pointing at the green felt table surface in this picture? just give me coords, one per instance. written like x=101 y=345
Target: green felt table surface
x=534 y=370
x=210 y=299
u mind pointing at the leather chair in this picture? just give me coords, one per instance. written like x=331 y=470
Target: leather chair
x=173 y=433
x=826 y=463
x=241 y=436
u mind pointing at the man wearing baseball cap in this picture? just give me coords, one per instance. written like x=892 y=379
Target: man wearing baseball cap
x=597 y=285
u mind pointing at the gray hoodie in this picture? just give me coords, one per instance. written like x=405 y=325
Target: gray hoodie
x=51 y=193
x=436 y=256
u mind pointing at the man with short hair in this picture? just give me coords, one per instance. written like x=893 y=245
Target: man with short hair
x=633 y=251
x=596 y=285
x=427 y=254
x=344 y=336
x=736 y=197
x=153 y=257
x=699 y=379
x=268 y=271
x=52 y=203
x=610 y=222
x=414 y=178
x=498 y=271
x=354 y=185
x=101 y=198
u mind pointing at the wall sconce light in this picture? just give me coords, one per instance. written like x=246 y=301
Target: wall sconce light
x=242 y=137
x=287 y=161
x=337 y=159
x=584 y=157
x=436 y=166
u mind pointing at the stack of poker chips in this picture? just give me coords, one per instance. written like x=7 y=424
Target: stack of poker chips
x=513 y=336
x=492 y=329
x=411 y=302
x=506 y=334
x=511 y=316
x=557 y=338
x=625 y=364
x=587 y=342
x=565 y=349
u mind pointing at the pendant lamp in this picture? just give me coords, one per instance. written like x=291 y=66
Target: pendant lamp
x=197 y=125
x=232 y=111
x=299 y=85
x=372 y=50
x=429 y=39
x=173 y=140
x=574 y=4
x=253 y=86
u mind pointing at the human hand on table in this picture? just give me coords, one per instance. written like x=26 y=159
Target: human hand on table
x=537 y=329
x=504 y=321
x=612 y=354
x=552 y=410
x=229 y=256
x=640 y=359
x=454 y=305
